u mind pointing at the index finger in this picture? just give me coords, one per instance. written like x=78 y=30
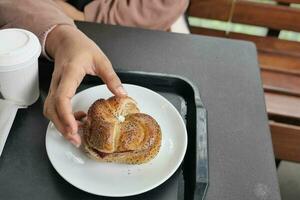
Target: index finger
x=106 y=72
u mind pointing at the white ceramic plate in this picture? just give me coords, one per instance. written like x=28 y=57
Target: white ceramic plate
x=110 y=179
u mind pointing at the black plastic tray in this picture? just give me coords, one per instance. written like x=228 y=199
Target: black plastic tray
x=191 y=179
x=26 y=170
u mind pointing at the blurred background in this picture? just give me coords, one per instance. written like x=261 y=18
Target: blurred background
x=274 y=26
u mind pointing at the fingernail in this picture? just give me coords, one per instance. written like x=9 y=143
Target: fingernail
x=69 y=130
x=121 y=90
x=75 y=143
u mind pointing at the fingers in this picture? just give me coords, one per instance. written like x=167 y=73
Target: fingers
x=65 y=80
x=54 y=81
x=50 y=113
x=58 y=103
x=70 y=80
x=79 y=115
x=106 y=72
x=81 y=118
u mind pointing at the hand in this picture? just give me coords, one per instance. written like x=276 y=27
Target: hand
x=70 y=10
x=75 y=55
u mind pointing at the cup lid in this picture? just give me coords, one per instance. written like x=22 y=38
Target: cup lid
x=17 y=46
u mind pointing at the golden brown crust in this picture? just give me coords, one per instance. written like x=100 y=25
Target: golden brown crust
x=136 y=140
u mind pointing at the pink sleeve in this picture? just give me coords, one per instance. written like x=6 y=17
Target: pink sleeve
x=37 y=16
x=158 y=14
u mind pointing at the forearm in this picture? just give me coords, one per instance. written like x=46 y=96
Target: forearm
x=35 y=16
x=70 y=10
x=158 y=14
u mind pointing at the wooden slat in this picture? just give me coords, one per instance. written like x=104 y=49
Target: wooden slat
x=248 y=12
x=287 y=83
x=288 y=1
x=279 y=62
x=206 y=31
x=211 y=9
x=267 y=44
x=283 y=105
x=270 y=44
x=286 y=141
x=267 y=15
x=274 y=54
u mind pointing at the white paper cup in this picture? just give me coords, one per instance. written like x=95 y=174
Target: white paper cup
x=19 y=52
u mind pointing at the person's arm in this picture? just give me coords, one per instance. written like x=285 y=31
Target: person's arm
x=38 y=17
x=158 y=14
x=70 y=10
x=75 y=55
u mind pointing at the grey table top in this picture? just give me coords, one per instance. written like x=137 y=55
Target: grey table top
x=241 y=161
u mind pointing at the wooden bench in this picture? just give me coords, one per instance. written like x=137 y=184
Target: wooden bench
x=279 y=60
